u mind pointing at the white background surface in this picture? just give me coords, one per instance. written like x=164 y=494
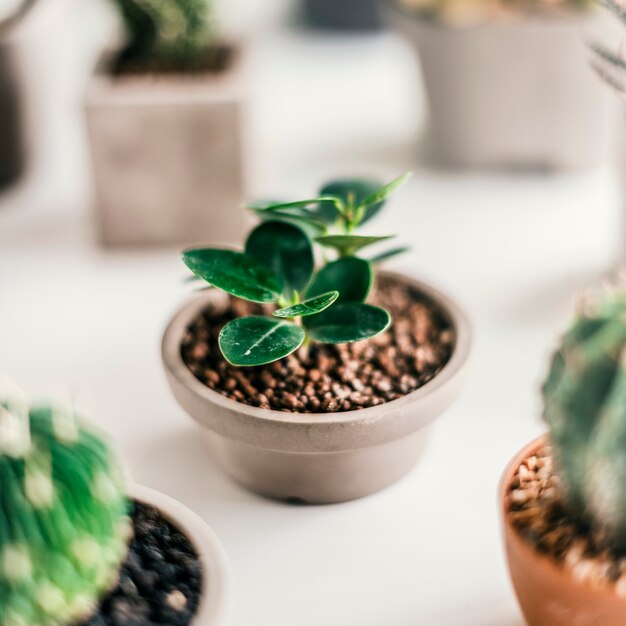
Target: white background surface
x=513 y=249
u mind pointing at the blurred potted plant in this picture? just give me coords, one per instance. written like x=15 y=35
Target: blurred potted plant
x=508 y=82
x=79 y=546
x=563 y=496
x=347 y=15
x=32 y=34
x=165 y=120
x=272 y=360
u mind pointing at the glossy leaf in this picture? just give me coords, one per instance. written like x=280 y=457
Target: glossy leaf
x=302 y=217
x=384 y=192
x=286 y=250
x=388 y=254
x=344 y=323
x=348 y=245
x=348 y=190
x=236 y=273
x=292 y=205
x=312 y=306
x=259 y=340
x=352 y=277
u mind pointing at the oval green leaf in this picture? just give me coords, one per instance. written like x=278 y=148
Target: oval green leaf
x=345 y=323
x=302 y=217
x=351 y=276
x=286 y=250
x=281 y=206
x=259 y=340
x=309 y=307
x=348 y=245
x=235 y=273
x=348 y=190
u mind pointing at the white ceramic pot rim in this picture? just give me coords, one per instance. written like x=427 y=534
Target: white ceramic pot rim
x=215 y=601
x=176 y=366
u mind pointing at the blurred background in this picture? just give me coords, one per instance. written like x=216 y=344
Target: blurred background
x=515 y=206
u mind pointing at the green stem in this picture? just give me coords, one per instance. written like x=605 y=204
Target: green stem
x=305 y=347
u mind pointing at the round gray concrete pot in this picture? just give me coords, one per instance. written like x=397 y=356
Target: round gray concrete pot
x=317 y=457
x=511 y=94
x=214 y=608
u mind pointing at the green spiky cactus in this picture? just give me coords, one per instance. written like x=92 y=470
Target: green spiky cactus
x=584 y=400
x=63 y=516
x=177 y=33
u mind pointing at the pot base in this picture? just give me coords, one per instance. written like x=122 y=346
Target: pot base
x=318 y=478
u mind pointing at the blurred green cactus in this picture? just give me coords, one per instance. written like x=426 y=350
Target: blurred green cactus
x=175 y=33
x=584 y=400
x=63 y=516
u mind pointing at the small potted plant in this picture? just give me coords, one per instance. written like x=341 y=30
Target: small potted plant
x=274 y=364
x=508 y=82
x=563 y=495
x=79 y=547
x=165 y=118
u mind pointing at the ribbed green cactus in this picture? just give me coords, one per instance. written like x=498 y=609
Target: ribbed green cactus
x=177 y=33
x=584 y=400
x=63 y=516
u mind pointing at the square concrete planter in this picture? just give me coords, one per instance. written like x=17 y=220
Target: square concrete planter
x=517 y=93
x=32 y=83
x=169 y=156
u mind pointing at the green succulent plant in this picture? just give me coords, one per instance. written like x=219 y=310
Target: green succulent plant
x=584 y=400
x=63 y=515
x=326 y=305
x=177 y=33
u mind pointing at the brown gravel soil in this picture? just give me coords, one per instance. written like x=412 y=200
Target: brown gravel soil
x=330 y=378
x=215 y=61
x=535 y=509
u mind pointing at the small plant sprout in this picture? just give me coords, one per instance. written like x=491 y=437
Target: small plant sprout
x=326 y=305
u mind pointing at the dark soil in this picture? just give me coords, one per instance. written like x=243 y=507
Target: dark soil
x=536 y=510
x=330 y=378
x=160 y=580
x=215 y=61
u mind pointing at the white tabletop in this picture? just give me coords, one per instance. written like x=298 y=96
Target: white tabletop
x=513 y=249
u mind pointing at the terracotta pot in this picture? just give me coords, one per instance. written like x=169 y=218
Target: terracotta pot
x=169 y=156
x=317 y=458
x=215 y=601
x=511 y=94
x=548 y=594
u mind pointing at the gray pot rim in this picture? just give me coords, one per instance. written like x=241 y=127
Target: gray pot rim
x=176 y=367
x=393 y=12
